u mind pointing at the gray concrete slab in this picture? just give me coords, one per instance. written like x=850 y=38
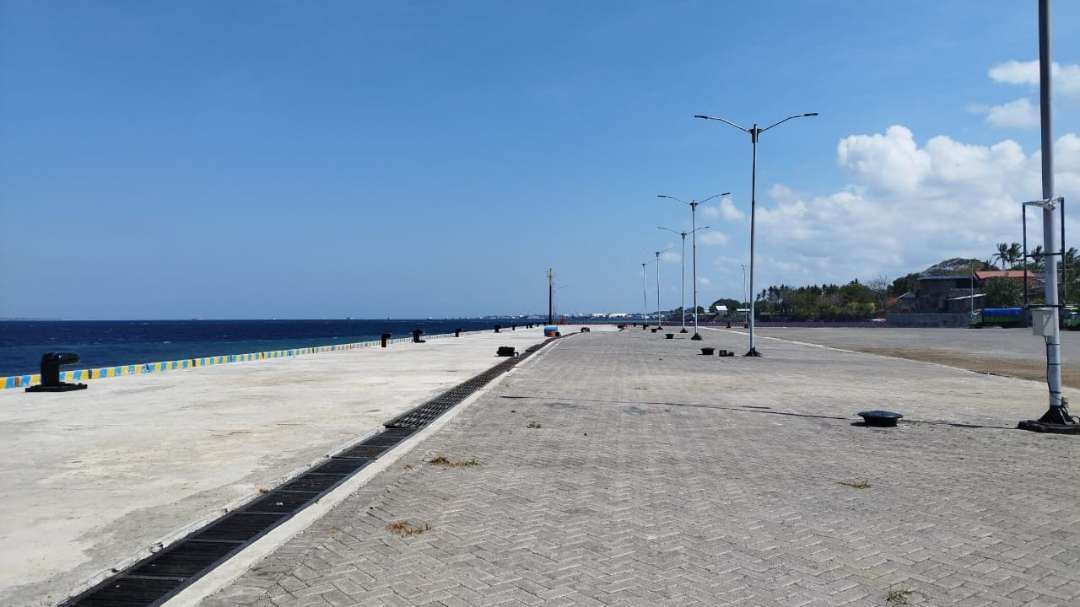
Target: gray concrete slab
x=93 y=479
x=624 y=469
x=1014 y=352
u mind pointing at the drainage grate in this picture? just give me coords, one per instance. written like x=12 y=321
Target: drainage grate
x=185 y=560
x=130 y=592
x=157 y=578
x=240 y=526
x=429 y=411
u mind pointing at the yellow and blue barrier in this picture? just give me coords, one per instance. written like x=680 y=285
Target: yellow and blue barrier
x=25 y=381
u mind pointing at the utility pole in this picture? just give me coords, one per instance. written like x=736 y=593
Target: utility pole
x=644 y=297
x=1056 y=418
x=658 y=321
x=755 y=133
x=682 y=259
x=551 y=297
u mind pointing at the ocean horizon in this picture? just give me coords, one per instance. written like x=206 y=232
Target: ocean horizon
x=104 y=343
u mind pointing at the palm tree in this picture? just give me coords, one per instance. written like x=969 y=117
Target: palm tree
x=1002 y=253
x=1015 y=253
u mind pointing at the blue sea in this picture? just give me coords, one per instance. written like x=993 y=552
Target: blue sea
x=109 y=343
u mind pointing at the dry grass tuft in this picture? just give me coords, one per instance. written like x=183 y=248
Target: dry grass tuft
x=895 y=598
x=407 y=529
x=449 y=463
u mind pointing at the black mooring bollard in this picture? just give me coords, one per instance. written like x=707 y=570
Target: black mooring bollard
x=880 y=419
x=513 y=327
x=457 y=332
x=385 y=339
x=497 y=327
x=50 y=373
x=416 y=336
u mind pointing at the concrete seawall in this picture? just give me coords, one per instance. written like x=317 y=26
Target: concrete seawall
x=95 y=479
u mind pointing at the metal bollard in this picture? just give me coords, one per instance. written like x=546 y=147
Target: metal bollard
x=385 y=339
x=457 y=332
x=497 y=327
x=50 y=373
x=416 y=336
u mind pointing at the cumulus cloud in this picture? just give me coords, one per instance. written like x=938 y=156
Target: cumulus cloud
x=704 y=282
x=670 y=256
x=1021 y=114
x=908 y=205
x=724 y=210
x=709 y=237
x=1065 y=78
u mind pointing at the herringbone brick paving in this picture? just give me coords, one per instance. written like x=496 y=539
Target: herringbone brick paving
x=656 y=477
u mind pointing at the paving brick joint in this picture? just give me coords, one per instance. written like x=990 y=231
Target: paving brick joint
x=661 y=477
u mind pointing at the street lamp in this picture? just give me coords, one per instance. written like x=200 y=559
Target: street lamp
x=682 y=258
x=659 y=323
x=755 y=133
x=693 y=204
x=644 y=298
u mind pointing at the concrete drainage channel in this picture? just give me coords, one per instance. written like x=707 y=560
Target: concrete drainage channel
x=162 y=575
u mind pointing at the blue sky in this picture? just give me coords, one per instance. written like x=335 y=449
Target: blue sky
x=330 y=159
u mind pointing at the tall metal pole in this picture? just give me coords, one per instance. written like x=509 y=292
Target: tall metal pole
x=551 y=298
x=1058 y=412
x=693 y=237
x=971 y=292
x=658 y=321
x=682 y=294
x=644 y=297
x=754 y=132
x=743 y=283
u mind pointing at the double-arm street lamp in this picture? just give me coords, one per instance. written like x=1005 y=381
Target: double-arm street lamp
x=682 y=258
x=693 y=204
x=755 y=133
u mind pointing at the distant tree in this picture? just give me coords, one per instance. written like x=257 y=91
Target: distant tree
x=731 y=304
x=905 y=283
x=1003 y=293
x=1016 y=253
x=1002 y=255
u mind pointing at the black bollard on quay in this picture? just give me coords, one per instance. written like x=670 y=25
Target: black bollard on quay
x=416 y=336
x=50 y=373
x=385 y=339
x=497 y=327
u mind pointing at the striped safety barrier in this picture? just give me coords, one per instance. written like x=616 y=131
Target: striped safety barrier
x=24 y=381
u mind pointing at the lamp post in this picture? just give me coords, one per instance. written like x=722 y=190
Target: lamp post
x=755 y=133
x=659 y=323
x=644 y=298
x=682 y=258
x=1057 y=417
x=693 y=204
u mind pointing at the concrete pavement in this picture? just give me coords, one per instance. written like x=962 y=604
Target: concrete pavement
x=623 y=469
x=94 y=479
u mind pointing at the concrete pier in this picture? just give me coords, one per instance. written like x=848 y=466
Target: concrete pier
x=95 y=479
x=626 y=469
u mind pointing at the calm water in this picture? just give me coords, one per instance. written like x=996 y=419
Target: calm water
x=108 y=343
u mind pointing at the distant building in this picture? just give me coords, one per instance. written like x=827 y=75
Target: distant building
x=953 y=293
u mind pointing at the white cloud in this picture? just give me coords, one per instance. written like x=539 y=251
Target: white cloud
x=724 y=210
x=908 y=206
x=1065 y=78
x=891 y=161
x=702 y=281
x=709 y=237
x=1020 y=113
x=669 y=256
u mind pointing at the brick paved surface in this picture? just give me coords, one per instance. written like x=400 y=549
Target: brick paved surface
x=658 y=477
